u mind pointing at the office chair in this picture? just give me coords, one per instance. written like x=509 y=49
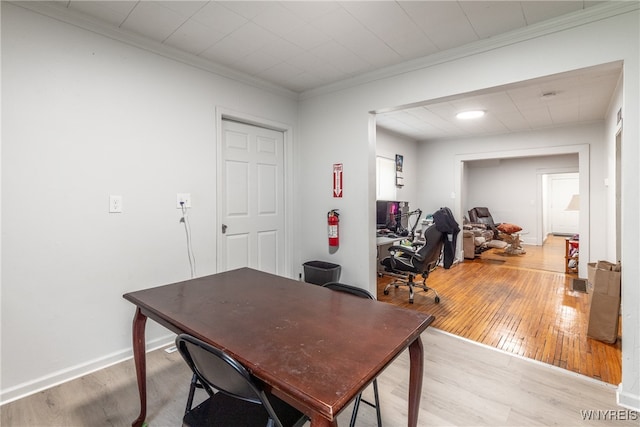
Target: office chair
x=240 y=399
x=406 y=263
x=359 y=292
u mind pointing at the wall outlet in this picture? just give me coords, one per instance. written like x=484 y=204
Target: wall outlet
x=183 y=198
x=115 y=203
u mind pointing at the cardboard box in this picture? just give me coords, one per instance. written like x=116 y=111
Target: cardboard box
x=604 y=313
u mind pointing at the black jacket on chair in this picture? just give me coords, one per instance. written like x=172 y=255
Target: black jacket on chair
x=448 y=226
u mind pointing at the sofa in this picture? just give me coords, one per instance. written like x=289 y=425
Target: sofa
x=475 y=238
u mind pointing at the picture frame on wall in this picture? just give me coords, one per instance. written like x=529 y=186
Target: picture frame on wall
x=399 y=161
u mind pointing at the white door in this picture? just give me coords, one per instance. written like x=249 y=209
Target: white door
x=252 y=200
x=562 y=187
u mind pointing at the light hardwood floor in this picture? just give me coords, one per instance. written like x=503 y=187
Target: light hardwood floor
x=522 y=304
x=465 y=384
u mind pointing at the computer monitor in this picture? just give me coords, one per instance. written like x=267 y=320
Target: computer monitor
x=388 y=213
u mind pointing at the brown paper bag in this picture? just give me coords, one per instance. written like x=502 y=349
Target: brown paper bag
x=604 y=313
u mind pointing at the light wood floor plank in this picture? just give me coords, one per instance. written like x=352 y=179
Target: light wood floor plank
x=466 y=384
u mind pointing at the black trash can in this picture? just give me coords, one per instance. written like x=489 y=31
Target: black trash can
x=320 y=272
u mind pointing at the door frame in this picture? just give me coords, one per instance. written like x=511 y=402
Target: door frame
x=583 y=169
x=542 y=222
x=223 y=113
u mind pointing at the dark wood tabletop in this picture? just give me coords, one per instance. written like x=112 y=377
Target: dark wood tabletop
x=314 y=347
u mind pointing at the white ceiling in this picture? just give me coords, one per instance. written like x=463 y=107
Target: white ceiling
x=304 y=45
x=579 y=96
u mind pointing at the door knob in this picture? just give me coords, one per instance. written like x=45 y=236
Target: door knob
x=224 y=228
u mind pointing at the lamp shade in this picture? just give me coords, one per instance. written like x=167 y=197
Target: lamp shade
x=574 y=203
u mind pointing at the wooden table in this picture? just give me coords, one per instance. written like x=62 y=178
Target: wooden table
x=313 y=347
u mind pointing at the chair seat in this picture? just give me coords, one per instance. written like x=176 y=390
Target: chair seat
x=222 y=410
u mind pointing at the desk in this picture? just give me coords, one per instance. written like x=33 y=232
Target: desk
x=297 y=338
x=383 y=243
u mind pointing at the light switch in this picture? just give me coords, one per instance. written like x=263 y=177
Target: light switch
x=115 y=203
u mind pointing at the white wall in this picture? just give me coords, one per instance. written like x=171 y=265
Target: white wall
x=335 y=125
x=388 y=145
x=84 y=117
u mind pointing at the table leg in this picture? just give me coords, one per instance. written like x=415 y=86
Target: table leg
x=416 y=359
x=139 y=356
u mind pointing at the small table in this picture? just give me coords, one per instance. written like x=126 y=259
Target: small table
x=514 y=246
x=313 y=347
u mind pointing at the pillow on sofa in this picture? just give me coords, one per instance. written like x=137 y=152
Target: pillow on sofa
x=509 y=228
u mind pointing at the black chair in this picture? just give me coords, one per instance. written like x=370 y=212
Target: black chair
x=359 y=292
x=240 y=399
x=406 y=263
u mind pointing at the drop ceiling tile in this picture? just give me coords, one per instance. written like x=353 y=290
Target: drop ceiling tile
x=240 y=43
x=305 y=79
x=246 y=9
x=256 y=62
x=491 y=124
x=315 y=66
x=184 y=8
x=370 y=48
x=565 y=113
x=194 y=37
x=307 y=36
x=538 y=117
x=512 y=120
x=340 y=57
x=216 y=16
x=423 y=114
x=277 y=19
x=591 y=111
x=153 y=20
x=281 y=72
x=490 y=18
x=281 y=49
x=444 y=23
x=308 y=11
x=112 y=12
x=537 y=11
x=390 y=22
x=338 y=24
x=446 y=110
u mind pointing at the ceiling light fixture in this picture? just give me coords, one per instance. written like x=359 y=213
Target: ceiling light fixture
x=472 y=114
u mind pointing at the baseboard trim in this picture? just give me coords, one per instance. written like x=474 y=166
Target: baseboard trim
x=31 y=387
x=627 y=400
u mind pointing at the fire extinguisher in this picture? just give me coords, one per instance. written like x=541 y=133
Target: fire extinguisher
x=333 y=220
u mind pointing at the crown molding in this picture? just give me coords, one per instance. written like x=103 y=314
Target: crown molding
x=586 y=16
x=77 y=19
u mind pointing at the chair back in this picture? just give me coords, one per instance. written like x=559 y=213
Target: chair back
x=481 y=215
x=353 y=290
x=217 y=369
x=428 y=254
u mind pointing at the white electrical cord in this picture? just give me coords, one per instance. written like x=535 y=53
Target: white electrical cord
x=187 y=229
